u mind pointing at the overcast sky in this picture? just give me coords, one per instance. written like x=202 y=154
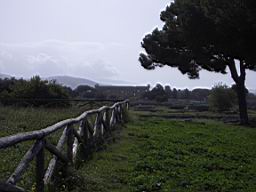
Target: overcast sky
x=95 y=39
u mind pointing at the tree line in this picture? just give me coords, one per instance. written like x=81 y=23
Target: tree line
x=37 y=92
x=34 y=92
x=163 y=93
x=220 y=98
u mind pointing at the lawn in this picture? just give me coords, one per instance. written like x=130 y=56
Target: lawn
x=155 y=154
x=146 y=154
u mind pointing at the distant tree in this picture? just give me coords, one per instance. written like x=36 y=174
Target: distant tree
x=35 y=92
x=174 y=93
x=85 y=91
x=186 y=94
x=5 y=84
x=222 y=98
x=157 y=93
x=58 y=94
x=179 y=94
x=210 y=35
x=83 y=88
x=200 y=94
x=69 y=91
x=168 y=90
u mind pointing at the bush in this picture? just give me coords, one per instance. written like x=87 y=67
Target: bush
x=34 y=92
x=221 y=98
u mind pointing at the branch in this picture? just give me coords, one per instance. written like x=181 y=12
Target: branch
x=233 y=70
x=242 y=71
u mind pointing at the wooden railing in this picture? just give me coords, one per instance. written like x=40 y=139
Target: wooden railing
x=92 y=127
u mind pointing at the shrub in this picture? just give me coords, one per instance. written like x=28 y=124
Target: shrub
x=221 y=98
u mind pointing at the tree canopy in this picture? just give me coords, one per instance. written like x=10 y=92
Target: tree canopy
x=205 y=34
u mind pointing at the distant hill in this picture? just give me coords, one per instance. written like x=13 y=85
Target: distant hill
x=114 y=82
x=72 y=82
x=3 y=76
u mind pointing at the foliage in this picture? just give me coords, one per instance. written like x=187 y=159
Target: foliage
x=157 y=93
x=35 y=92
x=222 y=98
x=87 y=92
x=84 y=91
x=200 y=94
x=162 y=94
x=202 y=35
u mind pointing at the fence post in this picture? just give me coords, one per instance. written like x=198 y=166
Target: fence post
x=95 y=126
x=99 y=128
x=122 y=113
x=127 y=105
x=102 y=130
x=70 y=141
x=115 y=115
x=84 y=131
x=108 y=119
x=118 y=115
x=40 y=171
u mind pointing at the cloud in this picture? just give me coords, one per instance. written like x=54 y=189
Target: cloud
x=52 y=57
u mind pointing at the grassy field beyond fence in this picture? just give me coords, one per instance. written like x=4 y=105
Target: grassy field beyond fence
x=154 y=154
x=147 y=154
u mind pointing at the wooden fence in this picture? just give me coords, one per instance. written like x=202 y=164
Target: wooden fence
x=89 y=132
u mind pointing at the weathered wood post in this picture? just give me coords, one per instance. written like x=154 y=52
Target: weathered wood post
x=95 y=128
x=108 y=119
x=49 y=183
x=122 y=113
x=119 y=118
x=89 y=128
x=127 y=105
x=115 y=115
x=40 y=171
x=99 y=128
x=70 y=141
x=24 y=163
x=84 y=134
x=84 y=131
x=102 y=130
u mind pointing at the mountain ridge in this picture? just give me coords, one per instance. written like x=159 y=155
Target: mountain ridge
x=74 y=82
x=70 y=81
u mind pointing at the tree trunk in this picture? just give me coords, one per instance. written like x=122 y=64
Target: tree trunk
x=241 y=95
x=240 y=89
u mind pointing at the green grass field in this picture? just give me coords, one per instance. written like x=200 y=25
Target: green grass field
x=160 y=155
x=147 y=154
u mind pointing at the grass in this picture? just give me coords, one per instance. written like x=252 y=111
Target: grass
x=147 y=154
x=162 y=155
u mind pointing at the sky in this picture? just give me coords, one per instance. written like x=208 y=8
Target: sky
x=97 y=40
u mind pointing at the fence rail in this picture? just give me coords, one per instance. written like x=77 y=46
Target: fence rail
x=89 y=132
